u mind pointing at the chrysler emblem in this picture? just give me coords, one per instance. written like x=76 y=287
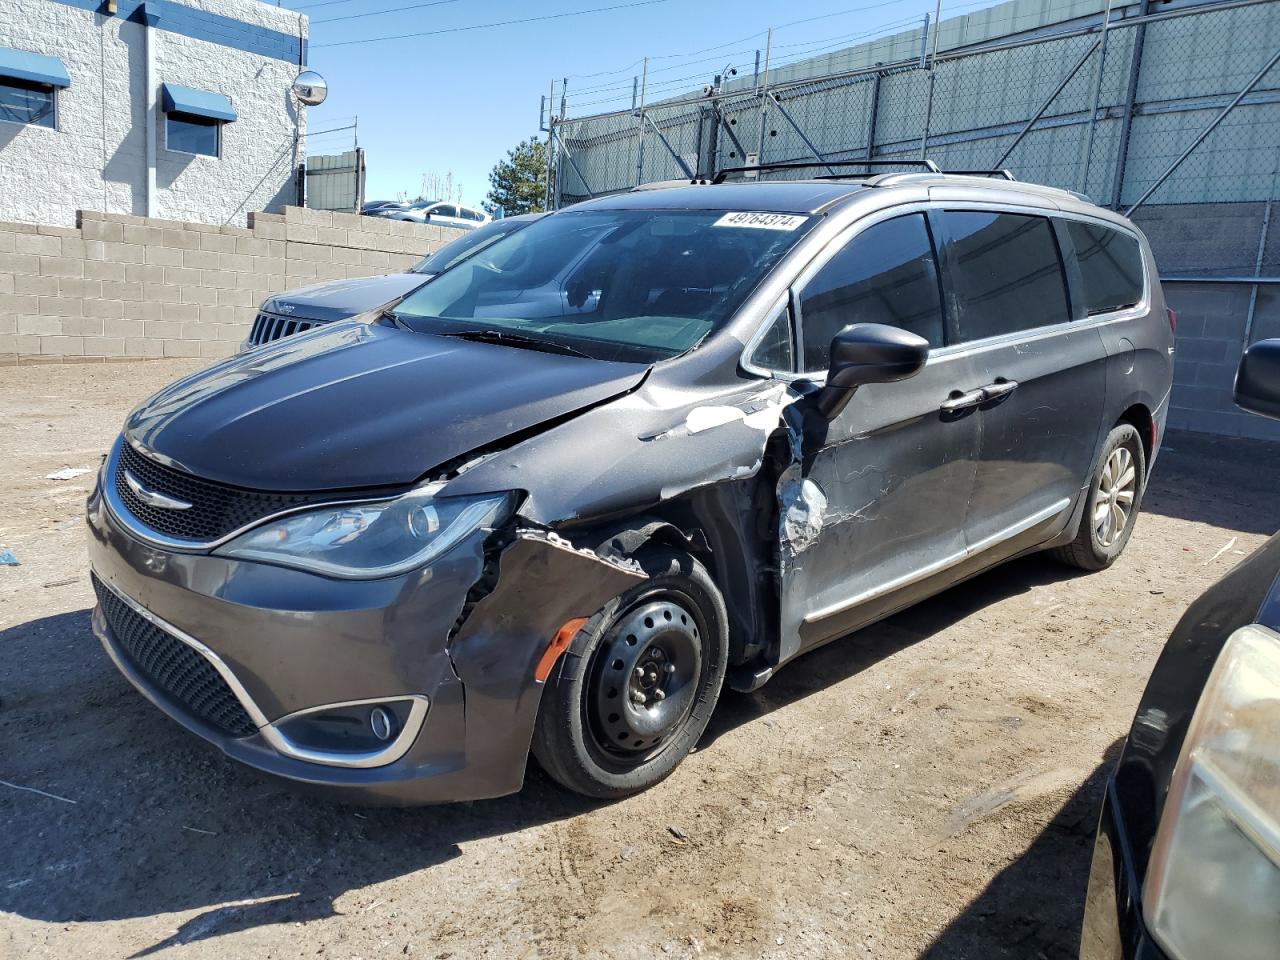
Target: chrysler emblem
x=151 y=498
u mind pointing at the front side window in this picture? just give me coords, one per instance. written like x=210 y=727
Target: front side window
x=188 y=133
x=886 y=274
x=443 y=210
x=1006 y=273
x=30 y=103
x=1110 y=266
x=640 y=285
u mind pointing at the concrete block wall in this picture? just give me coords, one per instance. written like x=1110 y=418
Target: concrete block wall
x=1212 y=318
x=119 y=286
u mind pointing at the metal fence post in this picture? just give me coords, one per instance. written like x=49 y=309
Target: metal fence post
x=764 y=94
x=933 y=67
x=1130 y=101
x=874 y=115
x=644 y=84
x=1086 y=153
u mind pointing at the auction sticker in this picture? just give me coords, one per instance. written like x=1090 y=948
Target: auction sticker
x=761 y=221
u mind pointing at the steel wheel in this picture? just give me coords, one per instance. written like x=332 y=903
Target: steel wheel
x=645 y=679
x=1117 y=487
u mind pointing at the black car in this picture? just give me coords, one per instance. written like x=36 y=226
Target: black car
x=295 y=311
x=1187 y=860
x=647 y=446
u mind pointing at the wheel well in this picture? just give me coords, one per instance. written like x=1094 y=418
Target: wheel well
x=1139 y=417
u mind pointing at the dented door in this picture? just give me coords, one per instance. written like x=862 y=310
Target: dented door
x=875 y=500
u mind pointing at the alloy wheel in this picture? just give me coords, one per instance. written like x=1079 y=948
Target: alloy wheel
x=1117 y=488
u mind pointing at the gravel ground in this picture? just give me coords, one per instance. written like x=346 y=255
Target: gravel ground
x=927 y=787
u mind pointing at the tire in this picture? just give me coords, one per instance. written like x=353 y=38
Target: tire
x=1099 y=542
x=591 y=748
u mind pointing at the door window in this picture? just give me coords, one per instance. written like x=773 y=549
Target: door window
x=1006 y=273
x=1110 y=266
x=886 y=274
x=443 y=210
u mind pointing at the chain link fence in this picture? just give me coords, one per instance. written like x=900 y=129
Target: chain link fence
x=1171 y=116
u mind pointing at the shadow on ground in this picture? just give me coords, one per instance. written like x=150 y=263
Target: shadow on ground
x=1239 y=473
x=1033 y=908
x=163 y=823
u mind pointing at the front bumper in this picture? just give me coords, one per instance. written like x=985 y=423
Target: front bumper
x=1113 y=928
x=460 y=637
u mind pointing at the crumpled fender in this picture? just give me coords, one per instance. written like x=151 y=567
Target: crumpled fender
x=542 y=582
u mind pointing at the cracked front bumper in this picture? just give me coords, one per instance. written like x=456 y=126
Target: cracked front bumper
x=286 y=642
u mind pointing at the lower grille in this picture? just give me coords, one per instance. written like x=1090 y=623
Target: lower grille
x=171 y=666
x=271 y=326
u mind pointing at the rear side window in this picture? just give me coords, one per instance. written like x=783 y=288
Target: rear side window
x=1110 y=266
x=1007 y=273
x=886 y=274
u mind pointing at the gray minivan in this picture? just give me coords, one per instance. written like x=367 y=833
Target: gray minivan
x=396 y=558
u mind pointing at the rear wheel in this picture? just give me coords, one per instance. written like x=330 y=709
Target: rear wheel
x=1112 y=505
x=634 y=691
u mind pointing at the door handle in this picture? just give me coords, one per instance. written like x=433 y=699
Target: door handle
x=959 y=401
x=999 y=389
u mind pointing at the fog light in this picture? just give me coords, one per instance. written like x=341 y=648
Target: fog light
x=381 y=723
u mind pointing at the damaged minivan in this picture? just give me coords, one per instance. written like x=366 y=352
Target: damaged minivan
x=648 y=447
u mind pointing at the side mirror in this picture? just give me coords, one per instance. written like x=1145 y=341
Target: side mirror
x=868 y=353
x=1258 y=379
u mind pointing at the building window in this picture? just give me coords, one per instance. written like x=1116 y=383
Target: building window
x=193 y=120
x=29 y=84
x=184 y=133
x=23 y=102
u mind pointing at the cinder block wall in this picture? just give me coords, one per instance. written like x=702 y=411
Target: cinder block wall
x=1212 y=321
x=119 y=286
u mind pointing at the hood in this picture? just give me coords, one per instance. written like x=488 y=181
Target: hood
x=340 y=299
x=356 y=405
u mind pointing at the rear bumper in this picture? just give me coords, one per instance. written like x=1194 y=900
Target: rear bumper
x=288 y=642
x=1113 y=928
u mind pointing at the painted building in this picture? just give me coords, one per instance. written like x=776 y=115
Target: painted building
x=179 y=110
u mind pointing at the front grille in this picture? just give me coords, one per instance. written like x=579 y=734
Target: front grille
x=216 y=509
x=272 y=326
x=174 y=668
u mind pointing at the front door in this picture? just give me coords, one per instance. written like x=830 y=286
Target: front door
x=1044 y=377
x=878 y=503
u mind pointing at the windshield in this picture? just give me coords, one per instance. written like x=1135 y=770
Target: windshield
x=471 y=243
x=637 y=285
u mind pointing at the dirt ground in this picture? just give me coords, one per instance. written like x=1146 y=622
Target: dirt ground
x=927 y=787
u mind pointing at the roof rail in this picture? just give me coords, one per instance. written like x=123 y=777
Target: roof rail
x=928 y=165
x=1006 y=174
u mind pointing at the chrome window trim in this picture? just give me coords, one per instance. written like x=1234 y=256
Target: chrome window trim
x=270 y=730
x=135 y=527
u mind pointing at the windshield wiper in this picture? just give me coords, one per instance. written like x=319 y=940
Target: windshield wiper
x=511 y=339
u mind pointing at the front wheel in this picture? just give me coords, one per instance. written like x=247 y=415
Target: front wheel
x=1111 y=507
x=634 y=691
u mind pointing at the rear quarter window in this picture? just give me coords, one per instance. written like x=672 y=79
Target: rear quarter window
x=1110 y=267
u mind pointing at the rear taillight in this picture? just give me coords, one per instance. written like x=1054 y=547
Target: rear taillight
x=1173 y=319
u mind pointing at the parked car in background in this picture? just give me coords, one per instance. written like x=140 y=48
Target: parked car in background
x=655 y=443
x=1186 y=865
x=374 y=206
x=294 y=311
x=440 y=212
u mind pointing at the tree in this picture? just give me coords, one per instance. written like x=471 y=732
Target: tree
x=518 y=183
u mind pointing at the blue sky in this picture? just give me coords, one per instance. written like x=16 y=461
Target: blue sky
x=455 y=102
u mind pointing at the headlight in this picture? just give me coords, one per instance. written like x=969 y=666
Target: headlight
x=1213 y=886
x=363 y=541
